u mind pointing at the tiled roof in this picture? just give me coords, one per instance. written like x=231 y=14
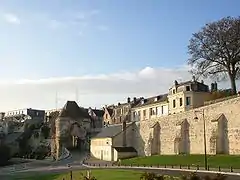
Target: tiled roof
x=191 y=83
x=125 y=149
x=151 y=100
x=72 y=110
x=110 y=131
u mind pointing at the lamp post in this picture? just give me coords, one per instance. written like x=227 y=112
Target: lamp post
x=204 y=136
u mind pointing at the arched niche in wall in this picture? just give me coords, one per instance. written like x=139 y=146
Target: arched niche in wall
x=221 y=134
x=156 y=143
x=182 y=140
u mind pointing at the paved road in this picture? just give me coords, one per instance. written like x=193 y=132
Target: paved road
x=43 y=166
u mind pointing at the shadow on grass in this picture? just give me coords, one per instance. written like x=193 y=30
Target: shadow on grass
x=37 y=177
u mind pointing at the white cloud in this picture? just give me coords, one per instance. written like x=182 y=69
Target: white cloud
x=11 y=18
x=102 y=28
x=93 y=90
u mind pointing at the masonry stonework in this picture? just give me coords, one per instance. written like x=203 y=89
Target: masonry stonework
x=183 y=133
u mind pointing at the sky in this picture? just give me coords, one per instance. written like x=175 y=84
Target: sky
x=97 y=52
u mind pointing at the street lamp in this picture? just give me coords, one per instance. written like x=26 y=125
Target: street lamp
x=204 y=135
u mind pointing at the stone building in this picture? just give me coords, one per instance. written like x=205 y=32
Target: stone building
x=182 y=133
x=114 y=142
x=72 y=129
x=96 y=119
x=108 y=116
x=119 y=113
x=149 y=108
x=187 y=95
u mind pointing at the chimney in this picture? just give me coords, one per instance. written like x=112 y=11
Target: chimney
x=193 y=78
x=175 y=82
x=134 y=100
x=124 y=136
x=202 y=81
x=119 y=104
x=212 y=87
x=128 y=100
x=215 y=86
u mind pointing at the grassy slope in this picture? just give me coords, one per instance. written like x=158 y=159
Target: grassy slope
x=99 y=174
x=193 y=160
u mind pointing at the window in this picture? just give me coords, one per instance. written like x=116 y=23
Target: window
x=180 y=101
x=188 y=101
x=151 y=111
x=139 y=115
x=174 y=103
x=144 y=113
x=156 y=111
x=162 y=109
x=187 y=88
x=106 y=116
x=174 y=91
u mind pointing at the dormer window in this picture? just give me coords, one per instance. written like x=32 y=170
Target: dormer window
x=142 y=102
x=156 y=99
x=187 y=88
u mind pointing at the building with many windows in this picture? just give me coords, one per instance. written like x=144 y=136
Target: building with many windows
x=119 y=113
x=180 y=98
x=27 y=113
x=187 y=95
x=149 y=108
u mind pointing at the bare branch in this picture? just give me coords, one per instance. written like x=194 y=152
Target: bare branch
x=215 y=50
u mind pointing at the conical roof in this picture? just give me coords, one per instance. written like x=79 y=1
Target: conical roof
x=72 y=110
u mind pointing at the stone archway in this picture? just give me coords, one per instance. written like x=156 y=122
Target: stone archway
x=156 y=144
x=219 y=143
x=78 y=135
x=182 y=140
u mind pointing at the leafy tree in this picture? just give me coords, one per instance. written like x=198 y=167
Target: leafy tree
x=4 y=154
x=215 y=50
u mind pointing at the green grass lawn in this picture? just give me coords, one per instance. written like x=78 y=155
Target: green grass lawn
x=224 y=161
x=106 y=174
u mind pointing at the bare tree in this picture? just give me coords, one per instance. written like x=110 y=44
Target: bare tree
x=215 y=50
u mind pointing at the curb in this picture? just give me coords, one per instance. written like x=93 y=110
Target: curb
x=155 y=168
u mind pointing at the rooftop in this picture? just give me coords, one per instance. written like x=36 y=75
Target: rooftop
x=110 y=131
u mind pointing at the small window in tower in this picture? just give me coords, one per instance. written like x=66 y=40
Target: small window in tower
x=188 y=101
x=174 y=103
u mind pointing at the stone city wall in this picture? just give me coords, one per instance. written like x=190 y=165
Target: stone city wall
x=183 y=133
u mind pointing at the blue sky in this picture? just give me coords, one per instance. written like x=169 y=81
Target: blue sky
x=42 y=39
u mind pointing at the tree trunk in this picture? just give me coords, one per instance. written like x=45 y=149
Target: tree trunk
x=233 y=83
